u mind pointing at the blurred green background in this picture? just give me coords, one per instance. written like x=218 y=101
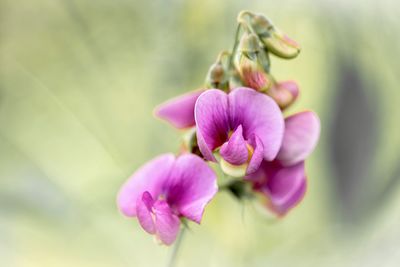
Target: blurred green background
x=79 y=80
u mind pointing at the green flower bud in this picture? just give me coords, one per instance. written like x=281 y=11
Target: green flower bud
x=216 y=76
x=273 y=39
x=248 y=62
x=249 y=44
x=281 y=45
x=261 y=24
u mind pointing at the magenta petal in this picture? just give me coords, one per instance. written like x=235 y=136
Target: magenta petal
x=191 y=187
x=285 y=186
x=301 y=136
x=150 y=177
x=258 y=155
x=259 y=115
x=212 y=124
x=143 y=211
x=179 y=111
x=235 y=150
x=166 y=222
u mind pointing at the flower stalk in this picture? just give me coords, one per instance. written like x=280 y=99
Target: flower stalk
x=175 y=249
x=234 y=48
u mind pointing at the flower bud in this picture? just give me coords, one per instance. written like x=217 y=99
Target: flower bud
x=273 y=39
x=216 y=76
x=261 y=24
x=249 y=44
x=248 y=63
x=284 y=93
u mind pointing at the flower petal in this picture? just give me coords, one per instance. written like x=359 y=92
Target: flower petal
x=157 y=218
x=285 y=186
x=257 y=156
x=191 y=187
x=143 y=212
x=166 y=222
x=259 y=115
x=212 y=124
x=179 y=111
x=149 y=177
x=301 y=136
x=235 y=150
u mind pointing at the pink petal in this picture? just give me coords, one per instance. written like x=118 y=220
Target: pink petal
x=301 y=136
x=166 y=222
x=235 y=150
x=192 y=185
x=179 y=111
x=143 y=211
x=258 y=155
x=285 y=186
x=157 y=218
x=259 y=115
x=212 y=124
x=150 y=177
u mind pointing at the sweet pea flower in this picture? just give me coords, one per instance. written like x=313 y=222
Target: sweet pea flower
x=283 y=181
x=244 y=126
x=179 y=111
x=166 y=189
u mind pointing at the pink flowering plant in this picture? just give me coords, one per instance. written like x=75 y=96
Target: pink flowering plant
x=236 y=121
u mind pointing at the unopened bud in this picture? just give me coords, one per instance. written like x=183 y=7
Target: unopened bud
x=252 y=74
x=247 y=62
x=216 y=76
x=274 y=40
x=261 y=24
x=249 y=44
x=284 y=93
x=281 y=45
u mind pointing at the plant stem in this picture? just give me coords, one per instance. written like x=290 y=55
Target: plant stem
x=175 y=249
x=235 y=45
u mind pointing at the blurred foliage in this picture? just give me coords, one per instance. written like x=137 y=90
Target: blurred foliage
x=79 y=80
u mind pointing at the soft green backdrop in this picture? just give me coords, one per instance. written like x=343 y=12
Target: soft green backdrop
x=79 y=81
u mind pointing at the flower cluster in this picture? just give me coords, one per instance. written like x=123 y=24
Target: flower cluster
x=236 y=121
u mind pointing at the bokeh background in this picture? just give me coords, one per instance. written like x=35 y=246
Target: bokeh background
x=79 y=80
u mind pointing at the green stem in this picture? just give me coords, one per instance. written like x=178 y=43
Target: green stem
x=235 y=45
x=175 y=249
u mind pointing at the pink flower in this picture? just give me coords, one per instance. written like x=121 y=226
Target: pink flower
x=244 y=126
x=283 y=181
x=166 y=189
